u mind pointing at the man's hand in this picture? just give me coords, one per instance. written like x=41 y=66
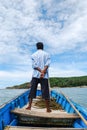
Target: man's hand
x=42 y=74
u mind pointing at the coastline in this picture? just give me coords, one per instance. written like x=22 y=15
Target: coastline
x=84 y=86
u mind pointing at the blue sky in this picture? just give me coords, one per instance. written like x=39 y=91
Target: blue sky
x=60 y=24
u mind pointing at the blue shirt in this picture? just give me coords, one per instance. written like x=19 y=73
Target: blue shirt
x=40 y=59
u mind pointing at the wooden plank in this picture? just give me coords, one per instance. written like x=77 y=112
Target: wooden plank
x=43 y=114
x=38 y=128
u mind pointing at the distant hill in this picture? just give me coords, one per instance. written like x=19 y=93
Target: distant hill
x=68 y=82
x=58 y=82
x=21 y=86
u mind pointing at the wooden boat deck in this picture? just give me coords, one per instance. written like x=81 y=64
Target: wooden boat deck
x=43 y=114
x=39 y=128
x=39 y=117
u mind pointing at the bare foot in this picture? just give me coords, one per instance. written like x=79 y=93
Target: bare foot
x=28 y=108
x=49 y=110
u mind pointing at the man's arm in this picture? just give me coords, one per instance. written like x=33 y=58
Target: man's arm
x=45 y=69
x=34 y=63
x=37 y=68
x=42 y=71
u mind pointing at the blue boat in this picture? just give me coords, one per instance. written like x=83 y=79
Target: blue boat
x=75 y=115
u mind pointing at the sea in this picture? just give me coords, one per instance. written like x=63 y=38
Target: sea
x=77 y=94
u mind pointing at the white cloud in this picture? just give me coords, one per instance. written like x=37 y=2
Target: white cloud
x=66 y=73
x=8 y=79
x=24 y=22
x=61 y=25
x=67 y=69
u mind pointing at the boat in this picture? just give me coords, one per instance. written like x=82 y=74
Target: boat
x=14 y=116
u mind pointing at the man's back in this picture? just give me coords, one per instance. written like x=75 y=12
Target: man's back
x=40 y=59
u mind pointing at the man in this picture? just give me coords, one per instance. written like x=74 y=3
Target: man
x=40 y=64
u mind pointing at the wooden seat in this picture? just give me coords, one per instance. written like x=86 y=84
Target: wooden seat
x=38 y=118
x=38 y=128
x=44 y=114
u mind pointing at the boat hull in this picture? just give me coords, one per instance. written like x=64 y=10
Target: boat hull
x=9 y=118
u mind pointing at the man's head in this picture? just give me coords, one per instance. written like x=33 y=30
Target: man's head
x=39 y=45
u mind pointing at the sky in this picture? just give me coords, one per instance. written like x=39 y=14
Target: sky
x=60 y=24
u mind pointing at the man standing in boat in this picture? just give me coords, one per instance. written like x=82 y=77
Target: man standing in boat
x=40 y=64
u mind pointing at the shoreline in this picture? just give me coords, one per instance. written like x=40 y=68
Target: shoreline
x=70 y=87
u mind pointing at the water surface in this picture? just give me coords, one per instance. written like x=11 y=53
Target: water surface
x=77 y=94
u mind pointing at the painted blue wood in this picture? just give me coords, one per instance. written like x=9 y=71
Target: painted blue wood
x=83 y=124
x=64 y=103
x=53 y=94
x=71 y=110
x=60 y=100
x=68 y=107
x=57 y=98
x=1 y=121
x=77 y=125
x=38 y=93
x=12 y=105
x=6 y=114
x=6 y=117
x=14 y=122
